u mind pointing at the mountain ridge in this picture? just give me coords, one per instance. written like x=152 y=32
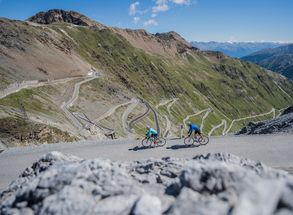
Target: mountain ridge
x=235 y=49
x=277 y=59
x=59 y=15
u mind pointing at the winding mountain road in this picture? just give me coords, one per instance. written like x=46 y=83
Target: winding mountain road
x=156 y=118
x=170 y=105
x=249 y=117
x=283 y=91
x=133 y=103
x=33 y=84
x=204 y=117
x=66 y=105
x=163 y=103
x=111 y=111
x=191 y=115
x=168 y=127
x=223 y=123
x=139 y=117
x=274 y=150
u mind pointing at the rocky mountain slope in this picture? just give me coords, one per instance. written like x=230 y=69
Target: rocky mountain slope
x=206 y=87
x=53 y=16
x=278 y=59
x=281 y=124
x=206 y=184
x=235 y=49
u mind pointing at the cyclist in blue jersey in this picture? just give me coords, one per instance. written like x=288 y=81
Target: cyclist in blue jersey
x=151 y=132
x=193 y=128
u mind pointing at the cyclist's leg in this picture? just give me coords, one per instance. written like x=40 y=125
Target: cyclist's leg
x=155 y=138
x=189 y=133
x=198 y=134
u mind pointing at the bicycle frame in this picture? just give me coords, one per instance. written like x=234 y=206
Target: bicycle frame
x=195 y=137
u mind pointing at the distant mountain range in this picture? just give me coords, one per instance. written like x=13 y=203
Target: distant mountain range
x=279 y=59
x=235 y=49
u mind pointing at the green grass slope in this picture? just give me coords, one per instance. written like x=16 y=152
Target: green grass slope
x=233 y=88
x=199 y=80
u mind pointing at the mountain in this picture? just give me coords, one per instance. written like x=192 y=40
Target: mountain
x=279 y=59
x=235 y=49
x=89 y=80
x=53 y=16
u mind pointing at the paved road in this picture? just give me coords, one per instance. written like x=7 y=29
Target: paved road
x=32 y=84
x=66 y=105
x=133 y=121
x=276 y=151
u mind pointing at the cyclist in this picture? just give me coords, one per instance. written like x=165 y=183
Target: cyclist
x=194 y=128
x=151 y=133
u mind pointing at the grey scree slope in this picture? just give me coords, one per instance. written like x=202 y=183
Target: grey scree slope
x=207 y=184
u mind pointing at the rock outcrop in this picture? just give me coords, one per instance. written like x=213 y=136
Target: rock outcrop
x=60 y=16
x=287 y=111
x=206 y=184
x=282 y=124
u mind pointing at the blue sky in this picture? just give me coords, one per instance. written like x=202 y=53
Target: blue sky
x=202 y=20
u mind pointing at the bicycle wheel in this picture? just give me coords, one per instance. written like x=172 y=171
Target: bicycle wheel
x=161 y=141
x=146 y=142
x=204 y=140
x=188 y=140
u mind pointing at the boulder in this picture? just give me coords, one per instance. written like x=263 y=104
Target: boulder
x=207 y=184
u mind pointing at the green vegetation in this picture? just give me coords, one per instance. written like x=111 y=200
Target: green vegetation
x=15 y=130
x=233 y=88
x=32 y=100
x=199 y=80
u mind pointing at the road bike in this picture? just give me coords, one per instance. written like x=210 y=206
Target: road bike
x=196 y=140
x=153 y=141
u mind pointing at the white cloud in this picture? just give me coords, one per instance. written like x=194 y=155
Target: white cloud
x=160 y=8
x=150 y=22
x=181 y=2
x=133 y=8
x=136 y=20
x=161 y=5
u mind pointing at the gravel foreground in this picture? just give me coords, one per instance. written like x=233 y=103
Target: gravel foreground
x=207 y=184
